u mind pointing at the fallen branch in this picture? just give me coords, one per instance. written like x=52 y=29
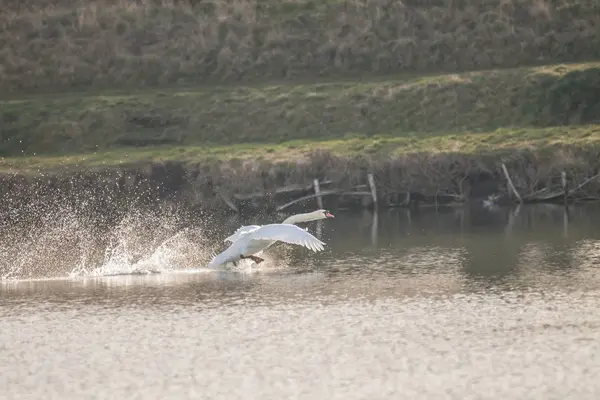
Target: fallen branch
x=406 y=201
x=317 y=188
x=583 y=184
x=281 y=191
x=228 y=201
x=452 y=195
x=373 y=189
x=510 y=183
x=310 y=196
x=355 y=194
x=545 y=194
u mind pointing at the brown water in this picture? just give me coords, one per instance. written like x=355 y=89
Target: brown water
x=466 y=304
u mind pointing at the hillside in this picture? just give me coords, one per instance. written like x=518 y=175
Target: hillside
x=64 y=45
x=528 y=105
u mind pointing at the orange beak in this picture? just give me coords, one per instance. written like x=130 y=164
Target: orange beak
x=329 y=215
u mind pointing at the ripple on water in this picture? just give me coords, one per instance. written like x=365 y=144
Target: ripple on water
x=516 y=345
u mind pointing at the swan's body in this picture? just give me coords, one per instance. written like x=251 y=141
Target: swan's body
x=259 y=238
x=294 y=219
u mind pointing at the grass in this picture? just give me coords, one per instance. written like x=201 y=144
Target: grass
x=377 y=147
x=467 y=111
x=61 y=45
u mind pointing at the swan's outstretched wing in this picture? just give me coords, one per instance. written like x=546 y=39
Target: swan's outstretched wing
x=240 y=232
x=287 y=233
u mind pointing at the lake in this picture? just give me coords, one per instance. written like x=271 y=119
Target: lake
x=466 y=303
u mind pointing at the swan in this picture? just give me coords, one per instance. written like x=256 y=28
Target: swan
x=294 y=219
x=261 y=237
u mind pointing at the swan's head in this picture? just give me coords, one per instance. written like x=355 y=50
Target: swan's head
x=319 y=214
x=326 y=214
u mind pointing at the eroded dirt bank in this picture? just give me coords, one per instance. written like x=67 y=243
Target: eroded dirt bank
x=429 y=178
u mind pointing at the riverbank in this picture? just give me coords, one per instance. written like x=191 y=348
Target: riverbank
x=403 y=178
x=428 y=135
x=469 y=110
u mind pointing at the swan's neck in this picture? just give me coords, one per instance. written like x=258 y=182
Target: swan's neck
x=306 y=217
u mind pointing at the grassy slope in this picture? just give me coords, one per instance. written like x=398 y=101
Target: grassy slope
x=58 y=45
x=470 y=112
x=99 y=47
x=499 y=142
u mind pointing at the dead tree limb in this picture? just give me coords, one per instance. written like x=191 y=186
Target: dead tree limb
x=510 y=183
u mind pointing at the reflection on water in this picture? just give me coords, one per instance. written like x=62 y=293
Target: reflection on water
x=465 y=303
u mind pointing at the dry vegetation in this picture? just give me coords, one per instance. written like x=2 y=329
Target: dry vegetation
x=65 y=44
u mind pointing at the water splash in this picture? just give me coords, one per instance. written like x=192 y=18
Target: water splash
x=58 y=227
x=67 y=243
x=182 y=250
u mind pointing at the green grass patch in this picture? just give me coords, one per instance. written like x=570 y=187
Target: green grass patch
x=382 y=145
x=435 y=109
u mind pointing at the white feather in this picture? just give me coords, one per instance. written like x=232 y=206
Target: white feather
x=294 y=219
x=259 y=239
x=240 y=232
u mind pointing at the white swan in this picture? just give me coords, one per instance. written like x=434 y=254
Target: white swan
x=294 y=219
x=262 y=237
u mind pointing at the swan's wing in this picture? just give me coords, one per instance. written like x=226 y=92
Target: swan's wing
x=240 y=232
x=289 y=234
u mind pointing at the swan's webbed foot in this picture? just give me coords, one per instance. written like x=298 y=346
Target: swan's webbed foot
x=256 y=259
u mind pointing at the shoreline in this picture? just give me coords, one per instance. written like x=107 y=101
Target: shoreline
x=426 y=140
x=407 y=180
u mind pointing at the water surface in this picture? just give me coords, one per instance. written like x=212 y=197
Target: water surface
x=465 y=304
